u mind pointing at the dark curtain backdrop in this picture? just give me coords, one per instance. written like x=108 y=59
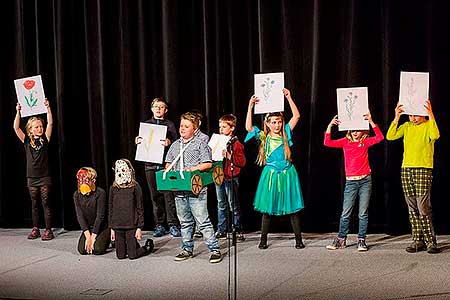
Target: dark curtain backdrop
x=103 y=61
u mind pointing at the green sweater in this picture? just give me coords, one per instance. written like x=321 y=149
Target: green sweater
x=418 y=142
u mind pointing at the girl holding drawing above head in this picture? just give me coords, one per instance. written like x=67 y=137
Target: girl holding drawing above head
x=278 y=191
x=36 y=142
x=355 y=146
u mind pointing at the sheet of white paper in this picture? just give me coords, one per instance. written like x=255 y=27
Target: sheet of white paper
x=414 y=92
x=30 y=95
x=352 y=104
x=269 y=90
x=151 y=149
x=218 y=143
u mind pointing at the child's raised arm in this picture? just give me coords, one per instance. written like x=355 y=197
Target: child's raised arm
x=434 y=131
x=248 y=119
x=394 y=132
x=295 y=113
x=16 y=124
x=429 y=109
x=398 y=112
x=48 y=129
x=334 y=121
x=368 y=116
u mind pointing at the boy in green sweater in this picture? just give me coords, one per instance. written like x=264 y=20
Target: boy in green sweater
x=419 y=135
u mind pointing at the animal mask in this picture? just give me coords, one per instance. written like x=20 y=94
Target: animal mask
x=123 y=172
x=85 y=183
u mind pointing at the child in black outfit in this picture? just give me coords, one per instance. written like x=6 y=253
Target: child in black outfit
x=90 y=206
x=126 y=213
x=35 y=142
x=163 y=202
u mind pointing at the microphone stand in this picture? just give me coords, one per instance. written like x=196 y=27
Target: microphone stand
x=233 y=226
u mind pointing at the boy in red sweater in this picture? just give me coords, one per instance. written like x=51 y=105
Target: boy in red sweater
x=227 y=192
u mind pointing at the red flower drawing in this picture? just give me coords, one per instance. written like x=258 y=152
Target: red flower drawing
x=29 y=84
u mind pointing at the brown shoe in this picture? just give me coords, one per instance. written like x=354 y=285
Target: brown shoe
x=48 y=235
x=416 y=247
x=34 y=234
x=432 y=248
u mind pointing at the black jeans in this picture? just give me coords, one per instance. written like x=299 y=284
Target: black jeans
x=101 y=242
x=127 y=244
x=163 y=202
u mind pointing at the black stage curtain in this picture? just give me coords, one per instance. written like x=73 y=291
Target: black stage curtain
x=103 y=61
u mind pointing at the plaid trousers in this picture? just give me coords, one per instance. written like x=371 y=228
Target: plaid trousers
x=416 y=184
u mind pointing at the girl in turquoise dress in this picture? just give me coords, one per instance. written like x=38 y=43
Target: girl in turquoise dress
x=278 y=191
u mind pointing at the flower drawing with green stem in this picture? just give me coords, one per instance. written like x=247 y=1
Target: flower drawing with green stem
x=350 y=102
x=28 y=85
x=267 y=86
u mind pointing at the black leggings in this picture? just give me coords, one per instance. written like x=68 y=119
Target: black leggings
x=295 y=222
x=128 y=245
x=101 y=243
x=44 y=192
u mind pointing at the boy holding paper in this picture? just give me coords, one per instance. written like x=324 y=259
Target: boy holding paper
x=419 y=136
x=227 y=193
x=163 y=202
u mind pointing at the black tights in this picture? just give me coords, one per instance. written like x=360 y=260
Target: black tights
x=295 y=223
x=44 y=192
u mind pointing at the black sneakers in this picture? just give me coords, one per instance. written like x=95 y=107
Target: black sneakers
x=48 y=235
x=198 y=234
x=221 y=235
x=338 y=243
x=34 y=234
x=362 y=245
x=183 y=255
x=149 y=245
x=215 y=257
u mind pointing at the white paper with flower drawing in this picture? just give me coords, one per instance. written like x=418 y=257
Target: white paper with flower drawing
x=414 y=92
x=352 y=104
x=269 y=90
x=30 y=95
x=218 y=143
x=151 y=148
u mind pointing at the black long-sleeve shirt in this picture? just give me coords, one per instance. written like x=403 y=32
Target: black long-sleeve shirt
x=126 y=208
x=91 y=210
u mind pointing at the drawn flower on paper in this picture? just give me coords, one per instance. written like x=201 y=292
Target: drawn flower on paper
x=215 y=147
x=350 y=103
x=411 y=91
x=29 y=84
x=149 y=141
x=267 y=88
x=31 y=102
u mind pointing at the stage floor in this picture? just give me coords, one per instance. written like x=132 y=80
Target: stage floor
x=54 y=270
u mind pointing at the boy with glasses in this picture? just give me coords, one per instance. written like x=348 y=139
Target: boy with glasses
x=163 y=202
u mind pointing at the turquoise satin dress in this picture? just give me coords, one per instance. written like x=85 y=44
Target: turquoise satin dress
x=278 y=192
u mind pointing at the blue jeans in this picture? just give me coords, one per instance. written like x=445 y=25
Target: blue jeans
x=354 y=188
x=224 y=199
x=190 y=210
